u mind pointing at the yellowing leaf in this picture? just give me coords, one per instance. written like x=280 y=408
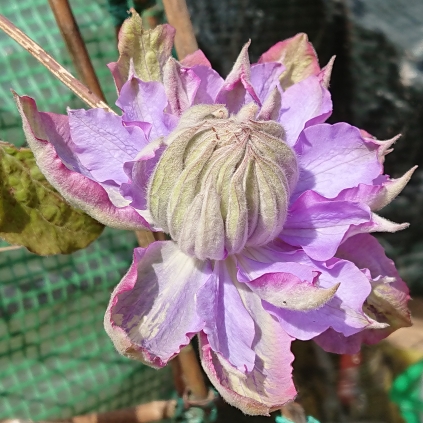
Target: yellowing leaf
x=143 y=51
x=33 y=213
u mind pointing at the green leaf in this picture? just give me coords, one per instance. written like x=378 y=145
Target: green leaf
x=144 y=50
x=33 y=213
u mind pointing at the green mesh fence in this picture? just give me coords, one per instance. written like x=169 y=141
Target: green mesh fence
x=55 y=358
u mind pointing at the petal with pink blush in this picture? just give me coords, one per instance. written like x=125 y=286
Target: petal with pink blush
x=286 y=291
x=198 y=58
x=152 y=313
x=297 y=55
x=334 y=157
x=269 y=384
x=45 y=131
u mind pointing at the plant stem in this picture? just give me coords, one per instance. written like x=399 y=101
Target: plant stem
x=54 y=67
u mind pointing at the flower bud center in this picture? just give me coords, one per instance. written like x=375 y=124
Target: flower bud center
x=223 y=182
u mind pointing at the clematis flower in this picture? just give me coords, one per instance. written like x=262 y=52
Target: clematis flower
x=269 y=210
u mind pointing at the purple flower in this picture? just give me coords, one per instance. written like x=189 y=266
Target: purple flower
x=269 y=209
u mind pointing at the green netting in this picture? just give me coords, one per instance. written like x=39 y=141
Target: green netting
x=55 y=358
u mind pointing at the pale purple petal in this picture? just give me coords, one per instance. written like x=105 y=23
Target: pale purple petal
x=318 y=225
x=152 y=312
x=334 y=157
x=269 y=385
x=139 y=172
x=145 y=102
x=103 y=144
x=229 y=327
x=181 y=85
x=45 y=131
x=366 y=252
x=264 y=78
x=210 y=85
x=304 y=104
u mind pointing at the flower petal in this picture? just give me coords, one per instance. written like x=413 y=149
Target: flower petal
x=194 y=59
x=386 y=303
x=297 y=55
x=389 y=292
x=237 y=86
x=48 y=135
x=145 y=102
x=152 y=312
x=269 y=385
x=319 y=225
x=264 y=78
x=229 y=328
x=103 y=144
x=145 y=51
x=343 y=312
x=181 y=85
x=210 y=85
x=337 y=343
x=334 y=157
x=139 y=172
x=286 y=291
x=304 y=104
x=391 y=189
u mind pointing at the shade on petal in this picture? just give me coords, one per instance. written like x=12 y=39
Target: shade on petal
x=229 y=327
x=152 y=313
x=318 y=225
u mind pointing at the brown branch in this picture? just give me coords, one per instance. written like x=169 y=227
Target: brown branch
x=54 y=67
x=178 y=16
x=75 y=44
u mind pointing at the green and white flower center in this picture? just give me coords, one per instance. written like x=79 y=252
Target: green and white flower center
x=223 y=182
